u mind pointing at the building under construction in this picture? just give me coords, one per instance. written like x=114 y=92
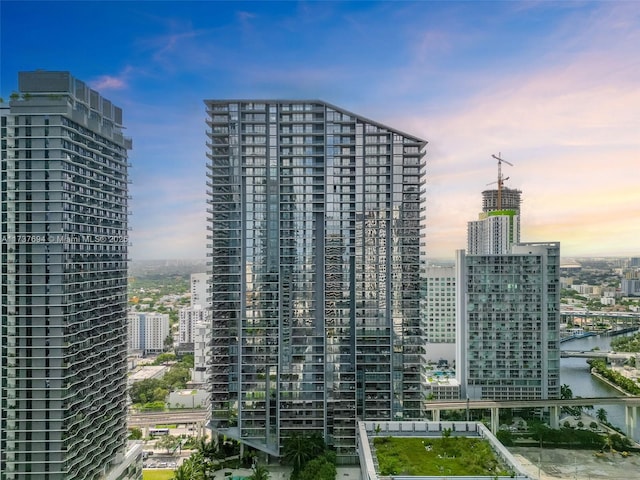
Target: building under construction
x=511 y=199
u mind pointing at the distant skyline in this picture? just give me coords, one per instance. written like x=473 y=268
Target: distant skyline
x=552 y=86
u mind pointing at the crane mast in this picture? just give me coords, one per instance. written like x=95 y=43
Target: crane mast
x=501 y=179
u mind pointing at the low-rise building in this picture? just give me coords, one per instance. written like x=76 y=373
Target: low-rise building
x=196 y=398
x=147 y=372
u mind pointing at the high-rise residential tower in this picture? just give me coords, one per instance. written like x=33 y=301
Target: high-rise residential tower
x=498 y=226
x=315 y=239
x=439 y=313
x=508 y=311
x=64 y=284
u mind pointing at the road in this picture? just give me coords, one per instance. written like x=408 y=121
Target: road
x=173 y=417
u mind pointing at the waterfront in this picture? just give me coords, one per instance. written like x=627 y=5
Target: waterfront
x=575 y=373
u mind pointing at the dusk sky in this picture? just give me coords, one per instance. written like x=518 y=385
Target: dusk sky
x=552 y=86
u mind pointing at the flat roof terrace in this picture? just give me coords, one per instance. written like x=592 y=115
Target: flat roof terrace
x=367 y=430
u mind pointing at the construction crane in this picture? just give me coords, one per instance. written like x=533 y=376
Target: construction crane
x=501 y=179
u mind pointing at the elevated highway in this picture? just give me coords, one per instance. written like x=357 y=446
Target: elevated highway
x=171 y=417
x=631 y=404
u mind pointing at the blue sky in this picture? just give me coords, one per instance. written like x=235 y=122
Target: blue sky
x=553 y=86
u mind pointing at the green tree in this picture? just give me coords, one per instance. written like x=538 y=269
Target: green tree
x=565 y=392
x=318 y=446
x=164 y=358
x=601 y=415
x=159 y=394
x=187 y=360
x=260 y=473
x=320 y=468
x=169 y=443
x=208 y=449
x=505 y=437
x=142 y=391
x=297 y=451
x=135 y=433
x=193 y=468
x=168 y=342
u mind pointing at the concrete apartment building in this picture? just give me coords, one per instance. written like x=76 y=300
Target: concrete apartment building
x=439 y=313
x=187 y=321
x=315 y=239
x=508 y=316
x=201 y=353
x=199 y=290
x=148 y=331
x=198 y=312
x=64 y=284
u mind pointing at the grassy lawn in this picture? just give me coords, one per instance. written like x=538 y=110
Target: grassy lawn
x=436 y=456
x=157 y=474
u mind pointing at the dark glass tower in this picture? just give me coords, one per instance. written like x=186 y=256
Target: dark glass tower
x=315 y=239
x=64 y=283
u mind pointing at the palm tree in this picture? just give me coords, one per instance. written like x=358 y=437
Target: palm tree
x=260 y=473
x=297 y=451
x=208 y=450
x=565 y=392
x=191 y=469
x=601 y=415
x=317 y=444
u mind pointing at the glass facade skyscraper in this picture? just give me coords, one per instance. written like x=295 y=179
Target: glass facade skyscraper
x=64 y=284
x=314 y=254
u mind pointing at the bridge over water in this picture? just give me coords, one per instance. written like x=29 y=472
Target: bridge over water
x=596 y=354
x=626 y=319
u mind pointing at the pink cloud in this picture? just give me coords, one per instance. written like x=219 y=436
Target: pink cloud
x=570 y=128
x=107 y=82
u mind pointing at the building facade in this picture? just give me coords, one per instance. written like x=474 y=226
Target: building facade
x=201 y=353
x=188 y=317
x=148 y=331
x=439 y=313
x=198 y=288
x=64 y=284
x=505 y=199
x=315 y=239
x=493 y=233
x=507 y=308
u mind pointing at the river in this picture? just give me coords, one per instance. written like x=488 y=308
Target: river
x=575 y=373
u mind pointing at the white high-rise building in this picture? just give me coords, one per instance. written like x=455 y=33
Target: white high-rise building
x=439 y=313
x=148 y=331
x=508 y=312
x=493 y=233
x=201 y=352
x=65 y=177
x=188 y=317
